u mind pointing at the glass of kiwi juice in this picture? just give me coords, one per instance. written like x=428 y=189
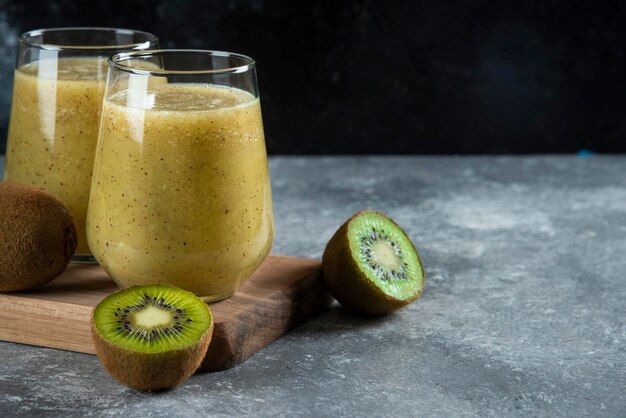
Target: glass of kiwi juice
x=181 y=190
x=58 y=89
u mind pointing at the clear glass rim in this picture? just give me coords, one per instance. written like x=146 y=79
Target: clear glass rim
x=116 y=62
x=26 y=38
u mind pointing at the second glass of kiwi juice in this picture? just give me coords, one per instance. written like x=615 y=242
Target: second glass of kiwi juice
x=57 y=95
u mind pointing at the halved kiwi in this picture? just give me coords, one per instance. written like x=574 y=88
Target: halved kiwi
x=151 y=337
x=371 y=266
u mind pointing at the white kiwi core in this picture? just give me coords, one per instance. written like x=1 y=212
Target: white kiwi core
x=153 y=317
x=385 y=255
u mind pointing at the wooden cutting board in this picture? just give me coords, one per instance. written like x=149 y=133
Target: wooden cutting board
x=281 y=294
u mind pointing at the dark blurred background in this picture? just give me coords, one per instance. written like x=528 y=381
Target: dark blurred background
x=371 y=76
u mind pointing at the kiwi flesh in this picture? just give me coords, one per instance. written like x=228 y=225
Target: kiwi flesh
x=37 y=237
x=151 y=337
x=371 y=266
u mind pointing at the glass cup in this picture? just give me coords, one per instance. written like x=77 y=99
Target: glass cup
x=57 y=95
x=181 y=190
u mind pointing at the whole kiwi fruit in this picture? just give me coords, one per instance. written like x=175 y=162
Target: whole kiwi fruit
x=371 y=266
x=151 y=337
x=37 y=237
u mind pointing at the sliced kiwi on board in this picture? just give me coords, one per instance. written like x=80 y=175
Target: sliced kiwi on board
x=371 y=266
x=151 y=337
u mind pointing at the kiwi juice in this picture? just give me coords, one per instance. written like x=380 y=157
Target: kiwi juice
x=181 y=192
x=53 y=130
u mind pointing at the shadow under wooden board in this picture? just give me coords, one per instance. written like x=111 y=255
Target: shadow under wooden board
x=281 y=294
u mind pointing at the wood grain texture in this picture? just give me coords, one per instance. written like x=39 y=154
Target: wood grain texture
x=282 y=293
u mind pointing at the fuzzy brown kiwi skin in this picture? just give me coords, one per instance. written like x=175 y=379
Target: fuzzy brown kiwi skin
x=150 y=371
x=349 y=285
x=37 y=237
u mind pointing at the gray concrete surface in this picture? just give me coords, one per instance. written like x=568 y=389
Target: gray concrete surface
x=523 y=314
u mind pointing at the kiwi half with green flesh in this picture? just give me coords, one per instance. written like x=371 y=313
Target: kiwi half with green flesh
x=37 y=237
x=151 y=337
x=371 y=266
